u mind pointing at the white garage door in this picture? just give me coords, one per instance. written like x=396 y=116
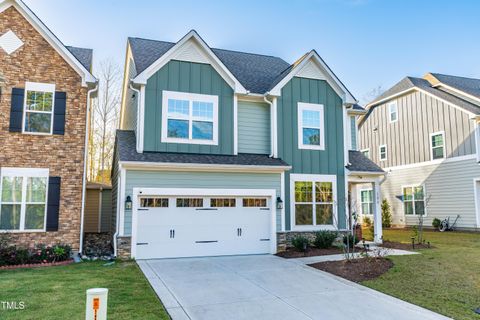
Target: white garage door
x=189 y=226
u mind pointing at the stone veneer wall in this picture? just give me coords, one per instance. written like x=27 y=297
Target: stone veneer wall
x=37 y=61
x=124 y=246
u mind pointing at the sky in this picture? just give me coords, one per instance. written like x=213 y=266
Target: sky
x=367 y=43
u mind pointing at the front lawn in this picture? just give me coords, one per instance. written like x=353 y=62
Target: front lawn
x=59 y=292
x=445 y=279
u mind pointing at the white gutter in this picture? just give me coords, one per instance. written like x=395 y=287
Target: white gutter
x=272 y=126
x=84 y=183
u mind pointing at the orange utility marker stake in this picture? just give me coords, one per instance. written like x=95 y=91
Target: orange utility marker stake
x=96 y=304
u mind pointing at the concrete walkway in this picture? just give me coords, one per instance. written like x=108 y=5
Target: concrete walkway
x=266 y=287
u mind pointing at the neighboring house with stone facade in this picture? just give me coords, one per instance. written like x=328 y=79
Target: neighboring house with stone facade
x=223 y=152
x=43 y=115
x=425 y=133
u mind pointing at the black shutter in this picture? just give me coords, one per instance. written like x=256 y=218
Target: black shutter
x=59 y=112
x=53 y=204
x=16 y=111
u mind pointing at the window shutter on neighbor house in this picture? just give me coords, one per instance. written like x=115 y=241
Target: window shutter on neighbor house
x=59 y=112
x=53 y=204
x=16 y=111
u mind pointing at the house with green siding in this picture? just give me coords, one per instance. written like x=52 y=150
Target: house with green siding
x=222 y=152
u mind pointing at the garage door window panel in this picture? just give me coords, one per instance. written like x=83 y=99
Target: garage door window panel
x=189 y=202
x=154 y=202
x=255 y=202
x=223 y=202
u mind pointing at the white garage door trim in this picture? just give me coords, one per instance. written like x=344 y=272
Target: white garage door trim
x=271 y=193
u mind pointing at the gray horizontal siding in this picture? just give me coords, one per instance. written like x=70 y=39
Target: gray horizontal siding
x=214 y=180
x=449 y=186
x=408 y=139
x=253 y=127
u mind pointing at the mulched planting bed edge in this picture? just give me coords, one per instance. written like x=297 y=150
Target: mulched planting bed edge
x=404 y=246
x=311 y=252
x=356 y=270
x=37 y=265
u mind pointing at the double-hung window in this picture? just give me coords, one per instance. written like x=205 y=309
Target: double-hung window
x=189 y=118
x=313 y=201
x=414 y=200
x=23 y=199
x=38 y=108
x=437 y=143
x=393 y=111
x=382 y=152
x=311 y=133
x=366 y=200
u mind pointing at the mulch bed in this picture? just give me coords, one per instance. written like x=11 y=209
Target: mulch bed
x=38 y=265
x=311 y=252
x=356 y=270
x=404 y=246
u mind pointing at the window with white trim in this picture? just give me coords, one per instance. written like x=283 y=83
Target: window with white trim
x=366 y=200
x=313 y=202
x=414 y=200
x=382 y=152
x=393 y=111
x=311 y=134
x=23 y=199
x=38 y=108
x=189 y=118
x=366 y=153
x=437 y=143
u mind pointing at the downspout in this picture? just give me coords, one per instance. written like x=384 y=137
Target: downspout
x=271 y=123
x=84 y=183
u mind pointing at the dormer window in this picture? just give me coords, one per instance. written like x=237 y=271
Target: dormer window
x=189 y=118
x=393 y=111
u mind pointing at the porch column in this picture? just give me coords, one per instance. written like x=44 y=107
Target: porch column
x=377 y=212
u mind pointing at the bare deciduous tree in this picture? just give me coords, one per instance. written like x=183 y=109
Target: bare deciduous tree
x=372 y=94
x=104 y=121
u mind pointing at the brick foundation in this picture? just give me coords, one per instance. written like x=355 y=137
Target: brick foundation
x=37 y=61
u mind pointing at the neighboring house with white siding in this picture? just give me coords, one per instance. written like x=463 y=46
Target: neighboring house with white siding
x=424 y=133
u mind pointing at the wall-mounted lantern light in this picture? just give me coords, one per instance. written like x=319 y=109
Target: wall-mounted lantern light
x=128 y=203
x=279 y=203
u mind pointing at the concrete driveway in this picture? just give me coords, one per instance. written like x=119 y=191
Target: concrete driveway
x=266 y=287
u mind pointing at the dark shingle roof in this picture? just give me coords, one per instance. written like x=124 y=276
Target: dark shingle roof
x=412 y=82
x=126 y=148
x=467 y=85
x=255 y=72
x=360 y=163
x=83 y=55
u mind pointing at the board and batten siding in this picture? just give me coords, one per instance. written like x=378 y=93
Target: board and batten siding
x=329 y=161
x=448 y=185
x=131 y=101
x=408 y=139
x=182 y=76
x=353 y=133
x=203 y=180
x=106 y=217
x=253 y=127
x=92 y=210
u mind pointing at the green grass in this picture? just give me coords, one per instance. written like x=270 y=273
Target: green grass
x=445 y=279
x=59 y=292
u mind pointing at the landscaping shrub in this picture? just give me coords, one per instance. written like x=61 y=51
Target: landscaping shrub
x=367 y=222
x=324 y=239
x=11 y=255
x=300 y=243
x=348 y=240
x=436 y=223
x=386 y=214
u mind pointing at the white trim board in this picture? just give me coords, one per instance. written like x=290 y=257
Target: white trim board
x=270 y=193
x=38 y=25
x=432 y=162
x=134 y=165
x=202 y=47
x=326 y=73
x=476 y=182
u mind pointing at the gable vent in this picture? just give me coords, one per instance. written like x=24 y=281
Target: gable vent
x=10 y=42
